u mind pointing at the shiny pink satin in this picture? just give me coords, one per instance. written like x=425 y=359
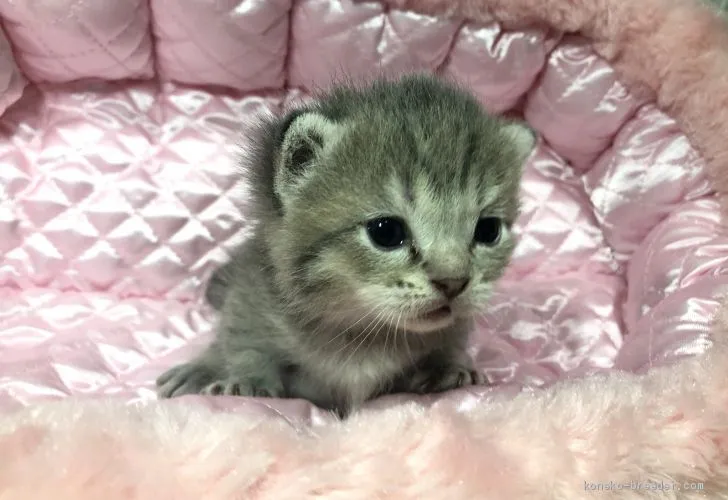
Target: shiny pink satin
x=118 y=196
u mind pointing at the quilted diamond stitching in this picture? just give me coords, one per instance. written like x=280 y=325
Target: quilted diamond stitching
x=103 y=45
x=202 y=58
x=37 y=211
x=576 y=224
x=98 y=52
x=318 y=52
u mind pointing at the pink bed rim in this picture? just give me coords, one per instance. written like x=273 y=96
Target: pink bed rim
x=606 y=346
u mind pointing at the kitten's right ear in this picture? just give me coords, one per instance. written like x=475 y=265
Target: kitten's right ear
x=523 y=136
x=304 y=140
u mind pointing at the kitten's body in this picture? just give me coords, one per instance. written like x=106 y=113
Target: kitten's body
x=368 y=201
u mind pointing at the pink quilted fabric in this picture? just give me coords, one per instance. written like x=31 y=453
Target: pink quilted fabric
x=118 y=192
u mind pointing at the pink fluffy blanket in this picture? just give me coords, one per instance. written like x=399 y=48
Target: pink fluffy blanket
x=120 y=123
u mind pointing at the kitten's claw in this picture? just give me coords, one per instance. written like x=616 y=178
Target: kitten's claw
x=222 y=388
x=188 y=378
x=200 y=378
x=237 y=387
x=452 y=377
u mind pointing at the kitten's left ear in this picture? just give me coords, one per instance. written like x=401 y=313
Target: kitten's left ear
x=523 y=136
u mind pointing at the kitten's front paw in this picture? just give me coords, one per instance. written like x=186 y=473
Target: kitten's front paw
x=188 y=378
x=245 y=387
x=426 y=381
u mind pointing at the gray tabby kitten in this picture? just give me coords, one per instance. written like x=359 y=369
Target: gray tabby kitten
x=385 y=216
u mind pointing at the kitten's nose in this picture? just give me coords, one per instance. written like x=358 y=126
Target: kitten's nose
x=451 y=287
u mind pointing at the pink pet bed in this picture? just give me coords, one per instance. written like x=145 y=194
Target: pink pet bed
x=120 y=126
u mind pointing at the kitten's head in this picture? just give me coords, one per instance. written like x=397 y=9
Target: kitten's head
x=394 y=203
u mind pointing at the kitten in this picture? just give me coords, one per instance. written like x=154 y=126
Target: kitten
x=385 y=216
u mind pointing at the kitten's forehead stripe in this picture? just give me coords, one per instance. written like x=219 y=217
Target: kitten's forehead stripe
x=470 y=140
x=409 y=193
x=409 y=138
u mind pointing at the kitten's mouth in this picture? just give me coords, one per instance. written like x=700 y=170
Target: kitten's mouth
x=435 y=319
x=437 y=315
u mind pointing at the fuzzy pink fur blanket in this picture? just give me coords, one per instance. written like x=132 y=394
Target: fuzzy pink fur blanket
x=662 y=434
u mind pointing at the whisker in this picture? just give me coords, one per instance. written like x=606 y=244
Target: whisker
x=347 y=329
x=396 y=327
x=407 y=348
x=386 y=339
x=362 y=333
x=382 y=322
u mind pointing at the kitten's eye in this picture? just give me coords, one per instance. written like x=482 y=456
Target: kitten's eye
x=488 y=230
x=387 y=232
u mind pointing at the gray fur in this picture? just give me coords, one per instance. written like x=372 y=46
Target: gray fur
x=309 y=306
